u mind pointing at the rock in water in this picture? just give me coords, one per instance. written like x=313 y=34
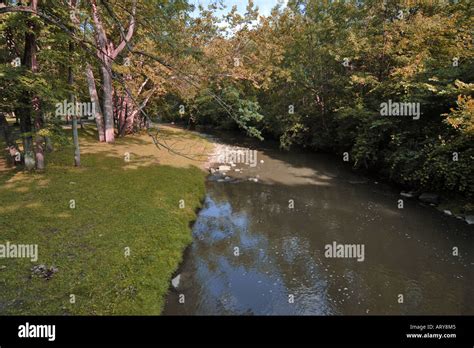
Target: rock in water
x=470 y=219
x=224 y=168
x=175 y=281
x=432 y=198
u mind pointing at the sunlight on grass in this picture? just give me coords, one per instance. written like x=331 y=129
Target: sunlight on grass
x=114 y=209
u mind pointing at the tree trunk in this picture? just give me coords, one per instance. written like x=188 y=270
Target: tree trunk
x=108 y=101
x=39 y=140
x=125 y=117
x=99 y=119
x=77 y=150
x=75 y=135
x=107 y=53
x=48 y=144
x=31 y=62
x=27 y=138
x=29 y=59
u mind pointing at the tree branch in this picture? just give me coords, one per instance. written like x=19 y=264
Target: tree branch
x=11 y=9
x=128 y=36
x=102 y=39
x=142 y=86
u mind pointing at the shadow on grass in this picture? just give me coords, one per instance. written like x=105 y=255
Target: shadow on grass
x=83 y=220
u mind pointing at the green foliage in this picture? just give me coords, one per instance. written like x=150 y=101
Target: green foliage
x=229 y=108
x=334 y=63
x=53 y=129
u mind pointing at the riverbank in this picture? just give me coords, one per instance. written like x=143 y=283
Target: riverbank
x=109 y=234
x=262 y=235
x=447 y=203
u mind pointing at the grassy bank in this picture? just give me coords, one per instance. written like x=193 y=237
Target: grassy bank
x=119 y=205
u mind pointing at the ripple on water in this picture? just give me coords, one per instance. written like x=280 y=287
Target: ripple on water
x=407 y=251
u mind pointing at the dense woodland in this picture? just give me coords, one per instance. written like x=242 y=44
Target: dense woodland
x=313 y=74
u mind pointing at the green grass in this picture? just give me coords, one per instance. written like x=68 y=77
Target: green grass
x=116 y=208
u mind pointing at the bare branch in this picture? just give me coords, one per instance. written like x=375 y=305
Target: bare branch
x=131 y=29
x=11 y=9
x=143 y=85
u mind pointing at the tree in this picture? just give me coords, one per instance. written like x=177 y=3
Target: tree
x=107 y=52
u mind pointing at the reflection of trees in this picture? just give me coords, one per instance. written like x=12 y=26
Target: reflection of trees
x=279 y=243
x=259 y=226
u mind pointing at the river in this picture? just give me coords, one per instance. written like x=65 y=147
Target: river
x=261 y=245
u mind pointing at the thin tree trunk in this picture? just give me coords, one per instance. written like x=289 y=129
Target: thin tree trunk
x=99 y=119
x=48 y=144
x=75 y=135
x=26 y=133
x=77 y=150
x=26 y=108
x=108 y=101
x=32 y=63
x=39 y=140
x=137 y=113
x=125 y=118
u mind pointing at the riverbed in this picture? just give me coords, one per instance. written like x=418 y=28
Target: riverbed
x=260 y=245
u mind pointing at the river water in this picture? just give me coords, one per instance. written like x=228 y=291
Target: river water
x=260 y=246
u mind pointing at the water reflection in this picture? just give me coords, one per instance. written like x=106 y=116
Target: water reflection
x=281 y=250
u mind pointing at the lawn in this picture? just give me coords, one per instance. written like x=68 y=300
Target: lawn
x=120 y=206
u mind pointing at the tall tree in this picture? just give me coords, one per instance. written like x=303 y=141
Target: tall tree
x=75 y=136
x=107 y=52
x=31 y=102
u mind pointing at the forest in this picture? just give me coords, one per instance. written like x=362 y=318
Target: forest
x=311 y=74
